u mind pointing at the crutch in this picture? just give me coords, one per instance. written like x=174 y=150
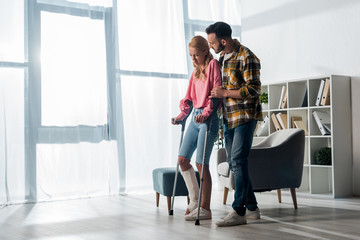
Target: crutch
x=216 y=102
x=171 y=212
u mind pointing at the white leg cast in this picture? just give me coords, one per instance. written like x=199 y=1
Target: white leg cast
x=192 y=186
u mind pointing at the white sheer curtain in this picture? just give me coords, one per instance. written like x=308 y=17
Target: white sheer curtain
x=12 y=84
x=87 y=90
x=12 y=149
x=153 y=39
x=152 y=51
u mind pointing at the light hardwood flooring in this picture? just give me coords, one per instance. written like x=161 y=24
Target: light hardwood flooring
x=135 y=216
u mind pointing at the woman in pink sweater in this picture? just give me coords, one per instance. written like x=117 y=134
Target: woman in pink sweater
x=205 y=76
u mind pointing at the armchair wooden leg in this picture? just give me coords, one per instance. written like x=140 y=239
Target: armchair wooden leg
x=226 y=191
x=157 y=199
x=168 y=202
x=293 y=195
x=279 y=195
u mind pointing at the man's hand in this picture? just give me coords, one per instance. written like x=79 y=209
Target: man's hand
x=218 y=92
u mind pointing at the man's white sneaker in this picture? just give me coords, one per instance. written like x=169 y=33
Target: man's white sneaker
x=231 y=219
x=253 y=214
x=204 y=214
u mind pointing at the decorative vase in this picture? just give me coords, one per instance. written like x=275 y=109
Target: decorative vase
x=264 y=106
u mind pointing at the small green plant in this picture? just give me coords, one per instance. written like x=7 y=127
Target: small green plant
x=264 y=97
x=323 y=156
x=219 y=140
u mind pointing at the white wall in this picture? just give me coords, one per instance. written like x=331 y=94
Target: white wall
x=304 y=38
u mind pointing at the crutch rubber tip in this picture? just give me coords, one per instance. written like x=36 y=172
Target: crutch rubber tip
x=171 y=212
x=197 y=222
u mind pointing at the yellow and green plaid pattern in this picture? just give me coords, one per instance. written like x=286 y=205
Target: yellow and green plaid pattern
x=242 y=71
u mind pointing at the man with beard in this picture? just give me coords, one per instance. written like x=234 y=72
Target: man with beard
x=240 y=89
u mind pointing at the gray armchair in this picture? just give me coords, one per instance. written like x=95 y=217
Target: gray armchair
x=274 y=164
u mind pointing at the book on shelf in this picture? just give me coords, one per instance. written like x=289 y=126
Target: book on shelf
x=281 y=95
x=325 y=98
x=282 y=119
x=263 y=128
x=284 y=99
x=275 y=122
x=257 y=127
x=322 y=118
x=327 y=126
x=321 y=88
x=294 y=118
x=300 y=124
x=305 y=100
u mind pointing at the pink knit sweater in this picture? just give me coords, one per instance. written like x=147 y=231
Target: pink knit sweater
x=198 y=91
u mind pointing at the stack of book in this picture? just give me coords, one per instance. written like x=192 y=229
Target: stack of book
x=279 y=120
x=323 y=97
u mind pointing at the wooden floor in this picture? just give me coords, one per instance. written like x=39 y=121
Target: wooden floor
x=137 y=217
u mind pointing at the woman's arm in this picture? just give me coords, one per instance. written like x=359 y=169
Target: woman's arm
x=184 y=105
x=215 y=81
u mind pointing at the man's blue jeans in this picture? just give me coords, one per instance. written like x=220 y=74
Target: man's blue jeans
x=238 y=143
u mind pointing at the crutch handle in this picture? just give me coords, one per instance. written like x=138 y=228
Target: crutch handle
x=183 y=122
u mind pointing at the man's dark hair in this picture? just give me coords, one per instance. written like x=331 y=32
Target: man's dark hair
x=221 y=30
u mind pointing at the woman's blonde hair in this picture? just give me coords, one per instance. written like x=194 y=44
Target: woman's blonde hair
x=200 y=43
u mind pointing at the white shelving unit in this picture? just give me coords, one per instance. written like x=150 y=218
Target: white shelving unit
x=333 y=180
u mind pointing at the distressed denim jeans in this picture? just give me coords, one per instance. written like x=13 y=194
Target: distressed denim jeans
x=195 y=138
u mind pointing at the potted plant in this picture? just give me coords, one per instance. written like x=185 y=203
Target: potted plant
x=323 y=156
x=264 y=100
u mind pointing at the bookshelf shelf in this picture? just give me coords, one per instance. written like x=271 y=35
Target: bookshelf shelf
x=324 y=180
x=320 y=107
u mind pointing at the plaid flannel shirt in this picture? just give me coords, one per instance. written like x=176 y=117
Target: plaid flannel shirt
x=242 y=71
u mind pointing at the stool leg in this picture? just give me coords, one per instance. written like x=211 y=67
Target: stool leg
x=279 y=195
x=157 y=199
x=226 y=191
x=169 y=202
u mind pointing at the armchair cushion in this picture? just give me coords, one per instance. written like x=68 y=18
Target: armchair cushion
x=223 y=169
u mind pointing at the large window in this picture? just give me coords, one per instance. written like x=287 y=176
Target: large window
x=75 y=154
x=73 y=71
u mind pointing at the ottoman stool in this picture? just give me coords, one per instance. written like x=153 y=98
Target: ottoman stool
x=163 y=183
